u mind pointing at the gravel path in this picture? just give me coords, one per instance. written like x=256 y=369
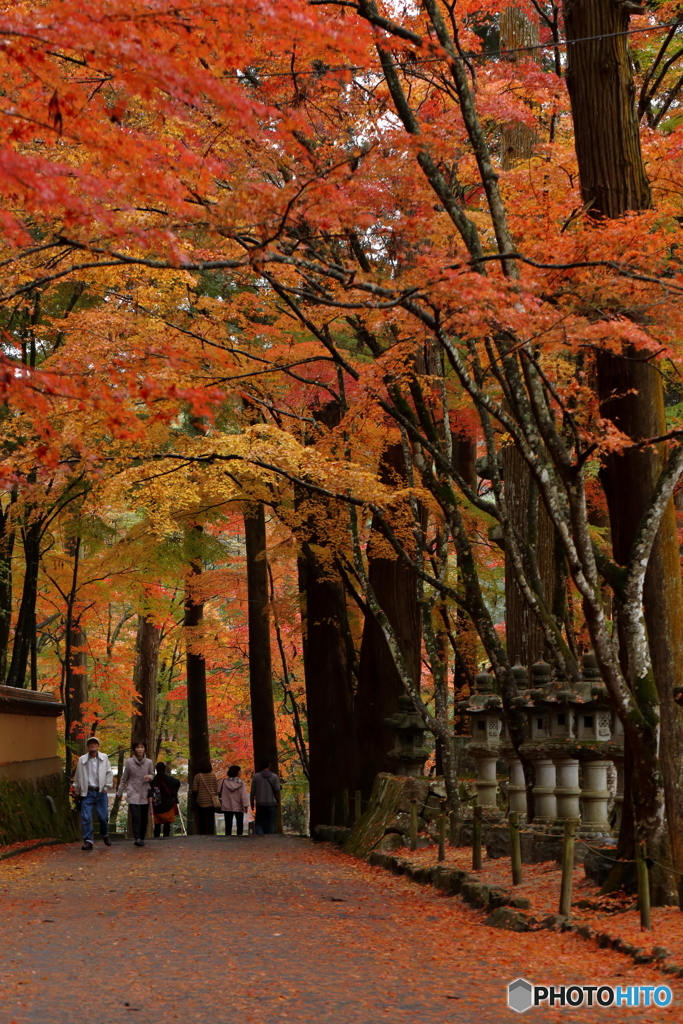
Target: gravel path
x=266 y=930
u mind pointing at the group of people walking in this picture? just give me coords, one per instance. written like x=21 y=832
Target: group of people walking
x=147 y=786
x=231 y=798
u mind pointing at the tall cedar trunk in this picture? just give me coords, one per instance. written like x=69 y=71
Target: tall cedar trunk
x=144 y=721
x=466 y=640
x=7 y=536
x=632 y=397
x=329 y=685
x=328 y=657
x=528 y=515
x=26 y=620
x=602 y=93
x=260 y=672
x=613 y=181
x=197 y=713
x=379 y=683
x=524 y=635
x=114 y=812
x=517 y=140
x=75 y=682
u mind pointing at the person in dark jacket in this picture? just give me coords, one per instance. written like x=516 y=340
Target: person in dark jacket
x=265 y=795
x=163 y=791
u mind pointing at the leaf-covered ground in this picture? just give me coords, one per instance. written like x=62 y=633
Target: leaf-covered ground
x=617 y=915
x=215 y=930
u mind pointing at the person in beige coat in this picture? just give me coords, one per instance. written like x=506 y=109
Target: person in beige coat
x=137 y=775
x=234 y=800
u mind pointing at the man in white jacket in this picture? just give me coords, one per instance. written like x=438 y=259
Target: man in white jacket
x=92 y=780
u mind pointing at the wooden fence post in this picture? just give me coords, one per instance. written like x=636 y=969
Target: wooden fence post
x=359 y=807
x=643 y=886
x=476 y=838
x=332 y=811
x=567 y=867
x=345 y=808
x=442 y=831
x=515 y=847
x=413 y=823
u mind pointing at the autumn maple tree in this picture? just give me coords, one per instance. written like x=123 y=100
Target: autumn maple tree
x=365 y=301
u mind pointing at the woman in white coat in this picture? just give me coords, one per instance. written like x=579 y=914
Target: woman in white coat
x=137 y=775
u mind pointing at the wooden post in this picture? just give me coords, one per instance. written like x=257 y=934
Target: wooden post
x=345 y=807
x=442 y=831
x=567 y=867
x=515 y=847
x=332 y=812
x=413 y=824
x=476 y=838
x=643 y=887
x=359 y=807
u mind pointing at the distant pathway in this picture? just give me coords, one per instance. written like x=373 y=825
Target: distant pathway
x=265 y=930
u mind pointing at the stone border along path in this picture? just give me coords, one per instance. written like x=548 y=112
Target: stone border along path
x=505 y=910
x=272 y=930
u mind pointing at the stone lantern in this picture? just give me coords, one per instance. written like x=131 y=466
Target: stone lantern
x=563 y=729
x=517 y=783
x=486 y=721
x=535 y=704
x=409 y=750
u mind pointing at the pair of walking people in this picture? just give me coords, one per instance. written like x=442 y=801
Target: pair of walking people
x=148 y=789
x=210 y=797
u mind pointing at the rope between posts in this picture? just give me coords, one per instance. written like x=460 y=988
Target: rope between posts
x=541 y=832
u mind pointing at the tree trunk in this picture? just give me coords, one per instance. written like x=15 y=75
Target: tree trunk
x=144 y=721
x=114 y=813
x=379 y=682
x=517 y=140
x=75 y=665
x=260 y=670
x=528 y=515
x=26 y=619
x=613 y=181
x=602 y=94
x=7 y=536
x=329 y=686
x=197 y=712
x=631 y=394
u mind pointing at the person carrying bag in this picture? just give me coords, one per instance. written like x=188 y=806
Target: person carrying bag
x=234 y=800
x=265 y=796
x=164 y=795
x=205 y=792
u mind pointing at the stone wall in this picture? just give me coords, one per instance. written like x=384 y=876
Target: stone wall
x=37 y=808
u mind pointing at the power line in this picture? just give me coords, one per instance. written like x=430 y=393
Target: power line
x=556 y=44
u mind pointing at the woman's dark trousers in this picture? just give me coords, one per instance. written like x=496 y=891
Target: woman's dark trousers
x=239 y=822
x=206 y=820
x=139 y=813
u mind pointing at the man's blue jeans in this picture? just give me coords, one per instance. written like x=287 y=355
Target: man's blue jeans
x=99 y=801
x=265 y=819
